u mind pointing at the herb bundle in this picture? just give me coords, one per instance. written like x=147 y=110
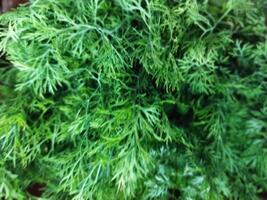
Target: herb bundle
x=134 y=99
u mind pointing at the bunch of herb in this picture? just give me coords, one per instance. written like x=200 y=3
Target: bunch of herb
x=134 y=99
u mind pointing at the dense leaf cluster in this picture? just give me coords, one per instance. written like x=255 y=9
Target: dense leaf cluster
x=134 y=99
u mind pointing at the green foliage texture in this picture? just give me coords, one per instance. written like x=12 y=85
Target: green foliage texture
x=134 y=99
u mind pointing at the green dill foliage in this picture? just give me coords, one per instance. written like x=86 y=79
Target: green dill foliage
x=134 y=99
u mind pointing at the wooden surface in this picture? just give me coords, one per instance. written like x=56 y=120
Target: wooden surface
x=6 y=5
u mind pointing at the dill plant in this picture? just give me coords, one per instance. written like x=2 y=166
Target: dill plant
x=134 y=99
